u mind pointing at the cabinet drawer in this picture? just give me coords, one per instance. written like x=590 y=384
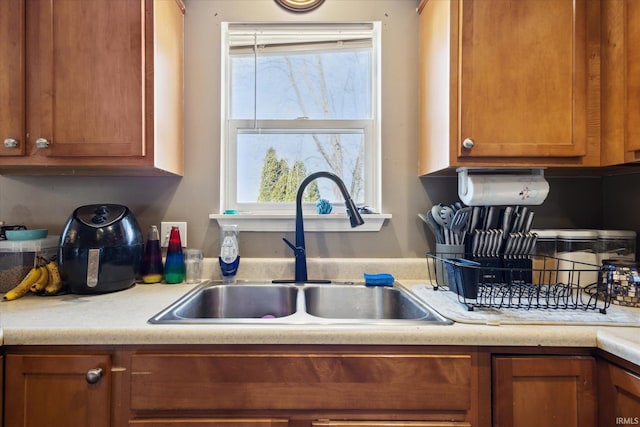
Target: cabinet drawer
x=301 y=382
x=389 y=424
x=217 y=422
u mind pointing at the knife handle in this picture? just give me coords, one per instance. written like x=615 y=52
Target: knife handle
x=529 y=222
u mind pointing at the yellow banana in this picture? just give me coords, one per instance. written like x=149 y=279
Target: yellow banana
x=42 y=281
x=23 y=287
x=55 y=282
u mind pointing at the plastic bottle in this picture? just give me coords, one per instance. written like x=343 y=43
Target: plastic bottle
x=152 y=269
x=174 y=266
x=229 y=252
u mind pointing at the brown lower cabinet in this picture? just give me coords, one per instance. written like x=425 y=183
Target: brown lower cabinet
x=255 y=386
x=544 y=391
x=57 y=390
x=314 y=386
x=619 y=394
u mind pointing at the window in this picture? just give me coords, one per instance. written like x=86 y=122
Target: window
x=299 y=98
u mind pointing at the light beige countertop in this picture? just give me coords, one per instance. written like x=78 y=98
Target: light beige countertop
x=120 y=318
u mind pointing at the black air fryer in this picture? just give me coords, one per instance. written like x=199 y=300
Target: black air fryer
x=100 y=249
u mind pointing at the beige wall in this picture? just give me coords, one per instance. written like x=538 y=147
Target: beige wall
x=47 y=201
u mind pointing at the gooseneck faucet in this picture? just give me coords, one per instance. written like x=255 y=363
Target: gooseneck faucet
x=299 y=249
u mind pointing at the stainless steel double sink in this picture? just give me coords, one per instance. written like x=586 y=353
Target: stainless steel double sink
x=255 y=302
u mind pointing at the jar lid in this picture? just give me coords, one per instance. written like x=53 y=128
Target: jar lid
x=616 y=234
x=546 y=234
x=577 y=234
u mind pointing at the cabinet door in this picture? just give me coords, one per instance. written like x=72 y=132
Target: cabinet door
x=12 y=80
x=619 y=395
x=523 y=78
x=544 y=392
x=513 y=83
x=620 y=82
x=85 y=78
x=57 y=390
x=633 y=75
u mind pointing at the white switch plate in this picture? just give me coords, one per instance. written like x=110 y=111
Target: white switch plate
x=165 y=229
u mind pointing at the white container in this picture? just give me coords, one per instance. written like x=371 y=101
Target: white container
x=616 y=244
x=577 y=251
x=17 y=257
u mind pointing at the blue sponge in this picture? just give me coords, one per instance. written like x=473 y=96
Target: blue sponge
x=382 y=279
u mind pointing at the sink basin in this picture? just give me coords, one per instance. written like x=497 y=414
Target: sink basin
x=269 y=303
x=233 y=302
x=362 y=302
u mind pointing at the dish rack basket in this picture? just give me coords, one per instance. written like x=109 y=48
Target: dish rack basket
x=527 y=282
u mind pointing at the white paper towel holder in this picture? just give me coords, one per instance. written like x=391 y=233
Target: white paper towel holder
x=465 y=172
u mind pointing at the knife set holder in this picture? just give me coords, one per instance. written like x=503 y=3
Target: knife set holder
x=499 y=256
x=527 y=283
x=499 y=239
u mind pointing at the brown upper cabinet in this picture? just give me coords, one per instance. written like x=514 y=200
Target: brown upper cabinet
x=91 y=86
x=621 y=82
x=510 y=83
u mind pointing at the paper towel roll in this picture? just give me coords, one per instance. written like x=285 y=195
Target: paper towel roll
x=503 y=189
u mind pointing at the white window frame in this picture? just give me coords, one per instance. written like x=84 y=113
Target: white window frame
x=266 y=216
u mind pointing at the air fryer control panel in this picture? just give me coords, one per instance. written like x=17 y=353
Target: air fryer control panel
x=100 y=215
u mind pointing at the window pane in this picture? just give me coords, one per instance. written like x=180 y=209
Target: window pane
x=326 y=84
x=271 y=165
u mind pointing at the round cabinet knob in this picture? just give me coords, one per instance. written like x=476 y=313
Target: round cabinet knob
x=42 y=143
x=93 y=375
x=11 y=143
x=468 y=143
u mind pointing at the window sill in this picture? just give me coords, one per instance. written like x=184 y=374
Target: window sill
x=312 y=222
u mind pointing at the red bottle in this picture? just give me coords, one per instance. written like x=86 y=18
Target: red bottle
x=174 y=266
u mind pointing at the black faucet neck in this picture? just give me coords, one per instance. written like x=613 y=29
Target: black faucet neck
x=300 y=247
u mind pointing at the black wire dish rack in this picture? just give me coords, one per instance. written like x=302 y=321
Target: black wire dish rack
x=526 y=282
